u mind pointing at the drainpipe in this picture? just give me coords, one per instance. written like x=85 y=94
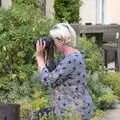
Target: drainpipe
x=96 y=11
x=103 y=11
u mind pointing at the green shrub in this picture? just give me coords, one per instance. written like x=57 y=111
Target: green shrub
x=93 y=57
x=73 y=116
x=67 y=10
x=113 y=81
x=37 y=102
x=98 y=115
x=102 y=94
x=25 y=2
x=69 y=115
x=19 y=27
x=107 y=101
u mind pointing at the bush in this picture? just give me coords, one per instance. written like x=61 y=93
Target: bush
x=37 y=102
x=19 y=27
x=98 y=115
x=67 y=10
x=113 y=81
x=107 y=101
x=69 y=115
x=93 y=57
x=25 y=2
x=100 y=92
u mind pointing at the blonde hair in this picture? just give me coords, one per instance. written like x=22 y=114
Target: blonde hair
x=65 y=31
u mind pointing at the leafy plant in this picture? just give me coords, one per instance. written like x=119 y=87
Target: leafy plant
x=67 y=10
x=102 y=94
x=93 y=57
x=19 y=27
x=113 y=81
x=98 y=115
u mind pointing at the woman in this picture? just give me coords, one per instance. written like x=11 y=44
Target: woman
x=68 y=79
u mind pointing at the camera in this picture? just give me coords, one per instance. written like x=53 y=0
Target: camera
x=48 y=41
x=49 y=51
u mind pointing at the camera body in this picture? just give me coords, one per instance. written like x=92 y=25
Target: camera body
x=48 y=41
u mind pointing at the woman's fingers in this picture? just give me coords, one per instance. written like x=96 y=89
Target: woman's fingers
x=44 y=44
x=37 y=45
x=40 y=45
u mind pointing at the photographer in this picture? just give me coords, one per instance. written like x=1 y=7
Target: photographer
x=68 y=78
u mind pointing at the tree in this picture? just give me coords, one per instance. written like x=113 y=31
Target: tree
x=67 y=10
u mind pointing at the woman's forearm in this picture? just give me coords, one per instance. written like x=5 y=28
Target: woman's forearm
x=40 y=63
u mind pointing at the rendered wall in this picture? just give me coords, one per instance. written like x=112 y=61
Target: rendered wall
x=112 y=11
x=6 y=3
x=88 y=11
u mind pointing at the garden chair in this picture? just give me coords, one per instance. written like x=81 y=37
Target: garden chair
x=113 y=44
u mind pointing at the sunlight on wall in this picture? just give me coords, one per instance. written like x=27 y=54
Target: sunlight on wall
x=113 y=11
x=6 y=3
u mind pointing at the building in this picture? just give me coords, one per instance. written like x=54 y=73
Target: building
x=5 y=3
x=94 y=11
x=100 y=11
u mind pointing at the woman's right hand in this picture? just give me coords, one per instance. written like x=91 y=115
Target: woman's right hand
x=40 y=48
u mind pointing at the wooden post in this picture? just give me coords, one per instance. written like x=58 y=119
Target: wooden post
x=9 y=112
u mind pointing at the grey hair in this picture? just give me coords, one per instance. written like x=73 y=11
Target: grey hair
x=65 y=31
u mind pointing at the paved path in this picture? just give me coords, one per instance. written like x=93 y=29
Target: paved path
x=112 y=115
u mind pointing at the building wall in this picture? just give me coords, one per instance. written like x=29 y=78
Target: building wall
x=88 y=11
x=100 y=11
x=6 y=3
x=113 y=11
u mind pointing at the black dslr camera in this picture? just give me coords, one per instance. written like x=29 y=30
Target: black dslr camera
x=48 y=41
x=49 y=51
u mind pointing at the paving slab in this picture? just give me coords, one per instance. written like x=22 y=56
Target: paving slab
x=112 y=115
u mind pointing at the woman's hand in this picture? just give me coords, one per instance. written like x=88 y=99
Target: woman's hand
x=40 y=48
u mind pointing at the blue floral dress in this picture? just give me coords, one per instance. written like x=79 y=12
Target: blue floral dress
x=68 y=81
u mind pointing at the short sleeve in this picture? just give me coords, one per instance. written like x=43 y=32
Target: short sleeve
x=59 y=74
